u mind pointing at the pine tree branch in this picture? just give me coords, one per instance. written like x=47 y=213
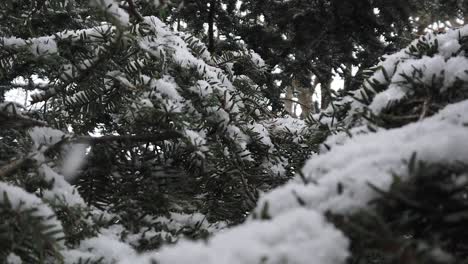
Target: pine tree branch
x=54 y=90
x=166 y=135
x=13 y=166
x=82 y=75
x=25 y=86
x=18 y=121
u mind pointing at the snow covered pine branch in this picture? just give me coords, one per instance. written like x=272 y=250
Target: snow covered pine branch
x=127 y=195
x=137 y=136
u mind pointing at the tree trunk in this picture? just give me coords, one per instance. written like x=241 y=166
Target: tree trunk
x=288 y=103
x=348 y=77
x=324 y=76
x=424 y=22
x=305 y=99
x=211 y=26
x=325 y=87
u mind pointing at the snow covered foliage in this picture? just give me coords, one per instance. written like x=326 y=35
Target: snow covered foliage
x=286 y=239
x=136 y=137
x=408 y=122
x=338 y=180
x=144 y=144
x=389 y=192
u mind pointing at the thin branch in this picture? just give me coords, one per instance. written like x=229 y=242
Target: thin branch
x=400 y=118
x=19 y=163
x=166 y=135
x=13 y=166
x=81 y=75
x=132 y=10
x=18 y=121
x=296 y=102
x=26 y=86
x=425 y=109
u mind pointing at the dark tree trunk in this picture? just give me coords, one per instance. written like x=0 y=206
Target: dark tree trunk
x=325 y=87
x=211 y=14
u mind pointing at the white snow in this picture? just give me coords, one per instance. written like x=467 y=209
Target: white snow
x=165 y=89
x=263 y=134
x=277 y=167
x=170 y=44
x=22 y=200
x=257 y=59
x=197 y=139
x=372 y=158
x=218 y=115
x=300 y=237
x=47 y=45
x=455 y=69
x=45 y=136
x=177 y=221
x=37 y=46
x=288 y=124
x=44 y=46
x=430 y=69
x=202 y=88
x=341 y=137
x=168 y=87
x=13 y=259
x=102 y=247
x=61 y=189
x=73 y=160
x=336 y=180
x=74 y=256
x=241 y=139
x=448 y=66
x=112 y=8
x=172 y=225
x=394 y=93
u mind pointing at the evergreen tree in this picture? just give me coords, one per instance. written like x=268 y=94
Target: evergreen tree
x=317 y=39
x=134 y=132
x=138 y=135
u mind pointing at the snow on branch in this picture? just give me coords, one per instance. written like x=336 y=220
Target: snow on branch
x=338 y=180
x=300 y=237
